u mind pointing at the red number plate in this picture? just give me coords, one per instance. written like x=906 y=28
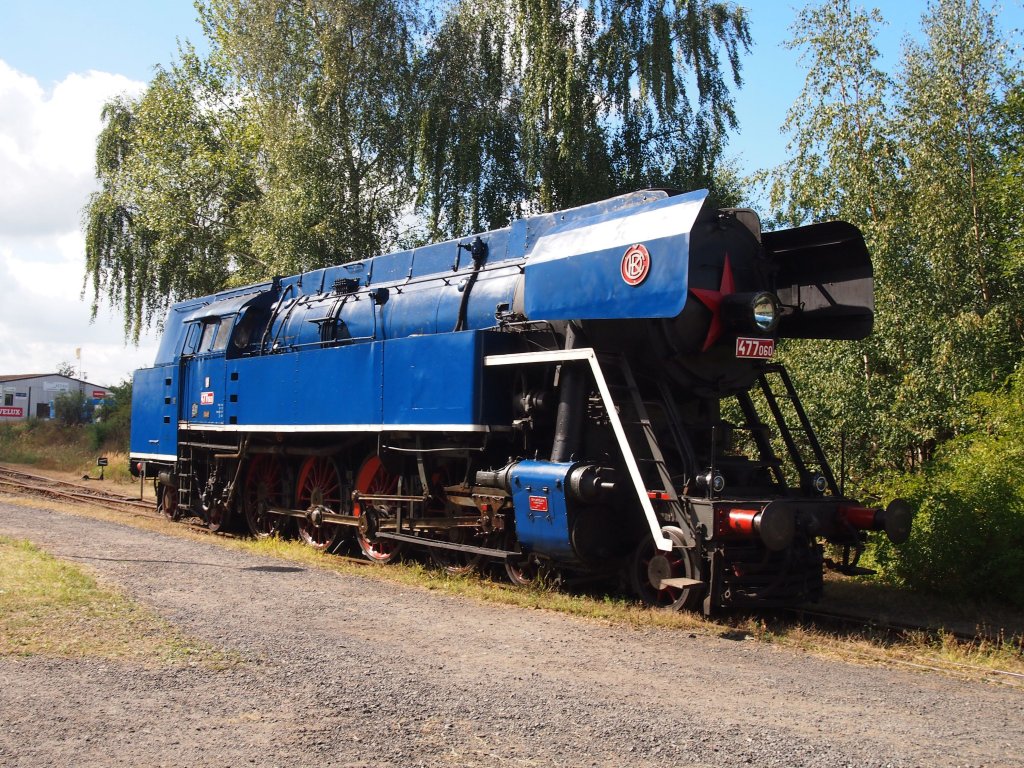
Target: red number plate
x=758 y=348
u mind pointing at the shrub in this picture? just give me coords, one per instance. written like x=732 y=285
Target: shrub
x=114 y=428
x=70 y=408
x=97 y=432
x=968 y=538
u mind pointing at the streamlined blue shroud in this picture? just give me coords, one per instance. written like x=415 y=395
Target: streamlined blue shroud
x=573 y=273
x=437 y=380
x=402 y=365
x=154 y=432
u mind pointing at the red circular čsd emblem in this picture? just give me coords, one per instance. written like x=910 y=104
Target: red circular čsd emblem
x=636 y=263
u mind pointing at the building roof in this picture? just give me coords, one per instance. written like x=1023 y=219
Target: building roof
x=20 y=376
x=26 y=376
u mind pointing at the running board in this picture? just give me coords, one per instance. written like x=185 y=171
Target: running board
x=661 y=541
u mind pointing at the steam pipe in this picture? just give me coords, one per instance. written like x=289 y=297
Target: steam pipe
x=569 y=419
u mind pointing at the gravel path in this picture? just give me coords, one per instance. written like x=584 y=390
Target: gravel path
x=350 y=671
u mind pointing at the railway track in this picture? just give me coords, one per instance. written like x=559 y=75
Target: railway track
x=61 y=489
x=47 y=487
x=865 y=622
x=52 y=488
x=902 y=630
x=15 y=480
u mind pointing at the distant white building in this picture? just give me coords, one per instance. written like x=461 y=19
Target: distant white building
x=33 y=394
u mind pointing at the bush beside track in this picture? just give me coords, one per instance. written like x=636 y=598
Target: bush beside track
x=51 y=445
x=967 y=542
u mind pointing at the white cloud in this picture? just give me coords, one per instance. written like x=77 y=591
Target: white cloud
x=47 y=148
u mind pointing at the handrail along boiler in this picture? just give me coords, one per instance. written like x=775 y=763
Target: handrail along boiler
x=588 y=390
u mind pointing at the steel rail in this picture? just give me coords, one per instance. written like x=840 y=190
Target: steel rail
x=62 y=489
x=904 y=628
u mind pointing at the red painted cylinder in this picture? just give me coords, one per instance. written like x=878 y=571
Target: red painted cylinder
x=862 y=518
x=741 y=521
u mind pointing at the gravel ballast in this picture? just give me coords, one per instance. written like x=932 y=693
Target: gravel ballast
x=348 y=671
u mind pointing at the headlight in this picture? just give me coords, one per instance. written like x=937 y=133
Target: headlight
x=765 y=309
x=751 y=312
x=712 y=481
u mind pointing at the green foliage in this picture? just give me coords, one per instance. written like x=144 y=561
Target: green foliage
x=330 y=86
x=107 y=425
x=926 y=162
x=541 y=105
x=1005 y=188
x=112 y=427
x=49 y=444
x=911 y=159
x=468 y=141
x=71 y=408
x=841 y=155
x=968 y=538
x=177 y=183
x=323 y=132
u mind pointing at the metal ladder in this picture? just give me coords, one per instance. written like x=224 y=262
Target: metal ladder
x=772 y=397
x=184 y=482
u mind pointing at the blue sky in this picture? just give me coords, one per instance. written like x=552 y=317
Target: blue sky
x=51 y=39
x=61 y=59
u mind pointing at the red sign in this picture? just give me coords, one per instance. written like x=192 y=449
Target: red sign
x=98 y=394
x=206 y=398
x=538 y=503
x=757 y=348
x=636 y=264
x=7 y=410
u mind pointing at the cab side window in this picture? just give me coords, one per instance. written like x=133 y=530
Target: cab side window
x=209 y=334
x=220 y=341
x=192 y=337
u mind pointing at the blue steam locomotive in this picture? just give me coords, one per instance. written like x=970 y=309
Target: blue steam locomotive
x=590 y=391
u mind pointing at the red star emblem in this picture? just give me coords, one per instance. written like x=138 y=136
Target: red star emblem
x=713 y=300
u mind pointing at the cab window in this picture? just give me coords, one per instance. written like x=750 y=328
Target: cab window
x=191 y=345
x=245 y=328
x=209 y=334
x=220 y=342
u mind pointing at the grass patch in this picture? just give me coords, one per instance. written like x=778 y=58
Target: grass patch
x=539 y=596
x=52 y=608
x=50 y=445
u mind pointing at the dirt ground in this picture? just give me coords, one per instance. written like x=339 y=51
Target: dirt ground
x=347 y=671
